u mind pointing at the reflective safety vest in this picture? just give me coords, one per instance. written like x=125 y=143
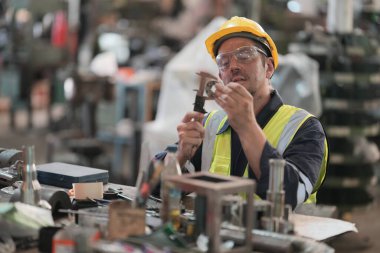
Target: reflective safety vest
x=279 y=132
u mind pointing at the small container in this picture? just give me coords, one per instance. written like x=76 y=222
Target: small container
x=170 y=195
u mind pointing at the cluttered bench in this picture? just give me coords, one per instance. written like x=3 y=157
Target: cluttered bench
x=33 y=227
x=214 y=218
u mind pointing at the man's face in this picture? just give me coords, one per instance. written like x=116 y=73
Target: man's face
x=252 y=74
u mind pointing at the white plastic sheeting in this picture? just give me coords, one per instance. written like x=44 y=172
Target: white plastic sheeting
x=297 y=81
x=177 y=90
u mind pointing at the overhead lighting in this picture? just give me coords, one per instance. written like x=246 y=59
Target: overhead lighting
x=294 y=6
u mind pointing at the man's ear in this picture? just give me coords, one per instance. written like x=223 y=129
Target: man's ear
x=270 y=68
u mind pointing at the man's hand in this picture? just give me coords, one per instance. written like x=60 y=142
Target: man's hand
x=190 y=133
x=237 y=102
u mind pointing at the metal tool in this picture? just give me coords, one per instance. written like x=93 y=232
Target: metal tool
x=276 y=217
x=30 y=187
x=206 y=85
x=8 y=157
x=10 y=166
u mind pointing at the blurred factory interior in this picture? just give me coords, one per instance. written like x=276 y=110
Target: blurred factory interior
x=103 y=83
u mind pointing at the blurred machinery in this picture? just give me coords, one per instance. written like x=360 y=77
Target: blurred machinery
x=113 y=88
x=38 y=44
x=10 y=161
x=76 y=132
x=349 y=62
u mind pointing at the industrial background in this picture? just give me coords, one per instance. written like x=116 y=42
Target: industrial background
x=103 y=83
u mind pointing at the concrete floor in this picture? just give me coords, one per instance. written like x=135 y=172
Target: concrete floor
x=365 y=218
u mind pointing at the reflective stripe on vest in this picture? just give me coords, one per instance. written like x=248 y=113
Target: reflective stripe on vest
x=279 y=132
x=212 y=125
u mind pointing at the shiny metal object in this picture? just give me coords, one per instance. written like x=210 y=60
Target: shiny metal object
x=275 y=192
x=210 y=87
x=8 y=157
x=206 y=85
x=276 y=216
x=9 y=175
x=30 y=188
x=10 y=166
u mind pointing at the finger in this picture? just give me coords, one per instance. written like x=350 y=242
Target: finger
x=224 y=102
x=227 y=99
x=193 y=116
x=235 y=91
x=192 y=125
x=237 y=88
x=221 y=99
x=226 y=93
x=221 y=92
x=184 y=136
x=219 y=87
x=188 y=141
x=190 y=134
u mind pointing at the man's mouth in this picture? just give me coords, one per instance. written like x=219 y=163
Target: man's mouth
x=237 y=79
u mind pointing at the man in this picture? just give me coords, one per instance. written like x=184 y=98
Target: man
x=254 y=125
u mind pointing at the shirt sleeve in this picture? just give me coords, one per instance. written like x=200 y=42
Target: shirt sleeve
x=303 y=156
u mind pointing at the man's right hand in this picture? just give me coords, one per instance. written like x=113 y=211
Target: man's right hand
x=190 y=133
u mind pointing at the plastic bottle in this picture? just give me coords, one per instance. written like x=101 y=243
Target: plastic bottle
x=59 y=30
x=30 y=187
x=75 y=239
x=63 y=241
x=171 y=196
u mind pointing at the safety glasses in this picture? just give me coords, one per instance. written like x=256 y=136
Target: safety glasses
x=242 y=55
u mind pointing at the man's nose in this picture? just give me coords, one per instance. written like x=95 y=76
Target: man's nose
x=234 y=64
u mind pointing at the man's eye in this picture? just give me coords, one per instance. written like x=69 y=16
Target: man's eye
x=244 y=55
x=223 y=62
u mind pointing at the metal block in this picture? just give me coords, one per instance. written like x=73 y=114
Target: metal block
x=212 y=190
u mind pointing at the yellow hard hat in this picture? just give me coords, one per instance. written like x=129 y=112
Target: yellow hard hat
x=241 y=27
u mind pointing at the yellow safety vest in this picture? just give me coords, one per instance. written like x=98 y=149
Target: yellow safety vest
x=279 y=132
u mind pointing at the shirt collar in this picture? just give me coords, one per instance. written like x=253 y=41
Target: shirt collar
x=266 y=113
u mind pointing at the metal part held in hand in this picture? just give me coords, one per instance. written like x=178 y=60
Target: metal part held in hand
x=30 y=188
x=206 y=84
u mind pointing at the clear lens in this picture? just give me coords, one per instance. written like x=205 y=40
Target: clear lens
x=242 y=55
x=246 y=54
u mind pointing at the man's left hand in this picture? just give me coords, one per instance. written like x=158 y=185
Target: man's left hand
x=237 y=102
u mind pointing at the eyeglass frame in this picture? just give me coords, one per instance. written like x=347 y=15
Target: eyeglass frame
x=235 y=52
